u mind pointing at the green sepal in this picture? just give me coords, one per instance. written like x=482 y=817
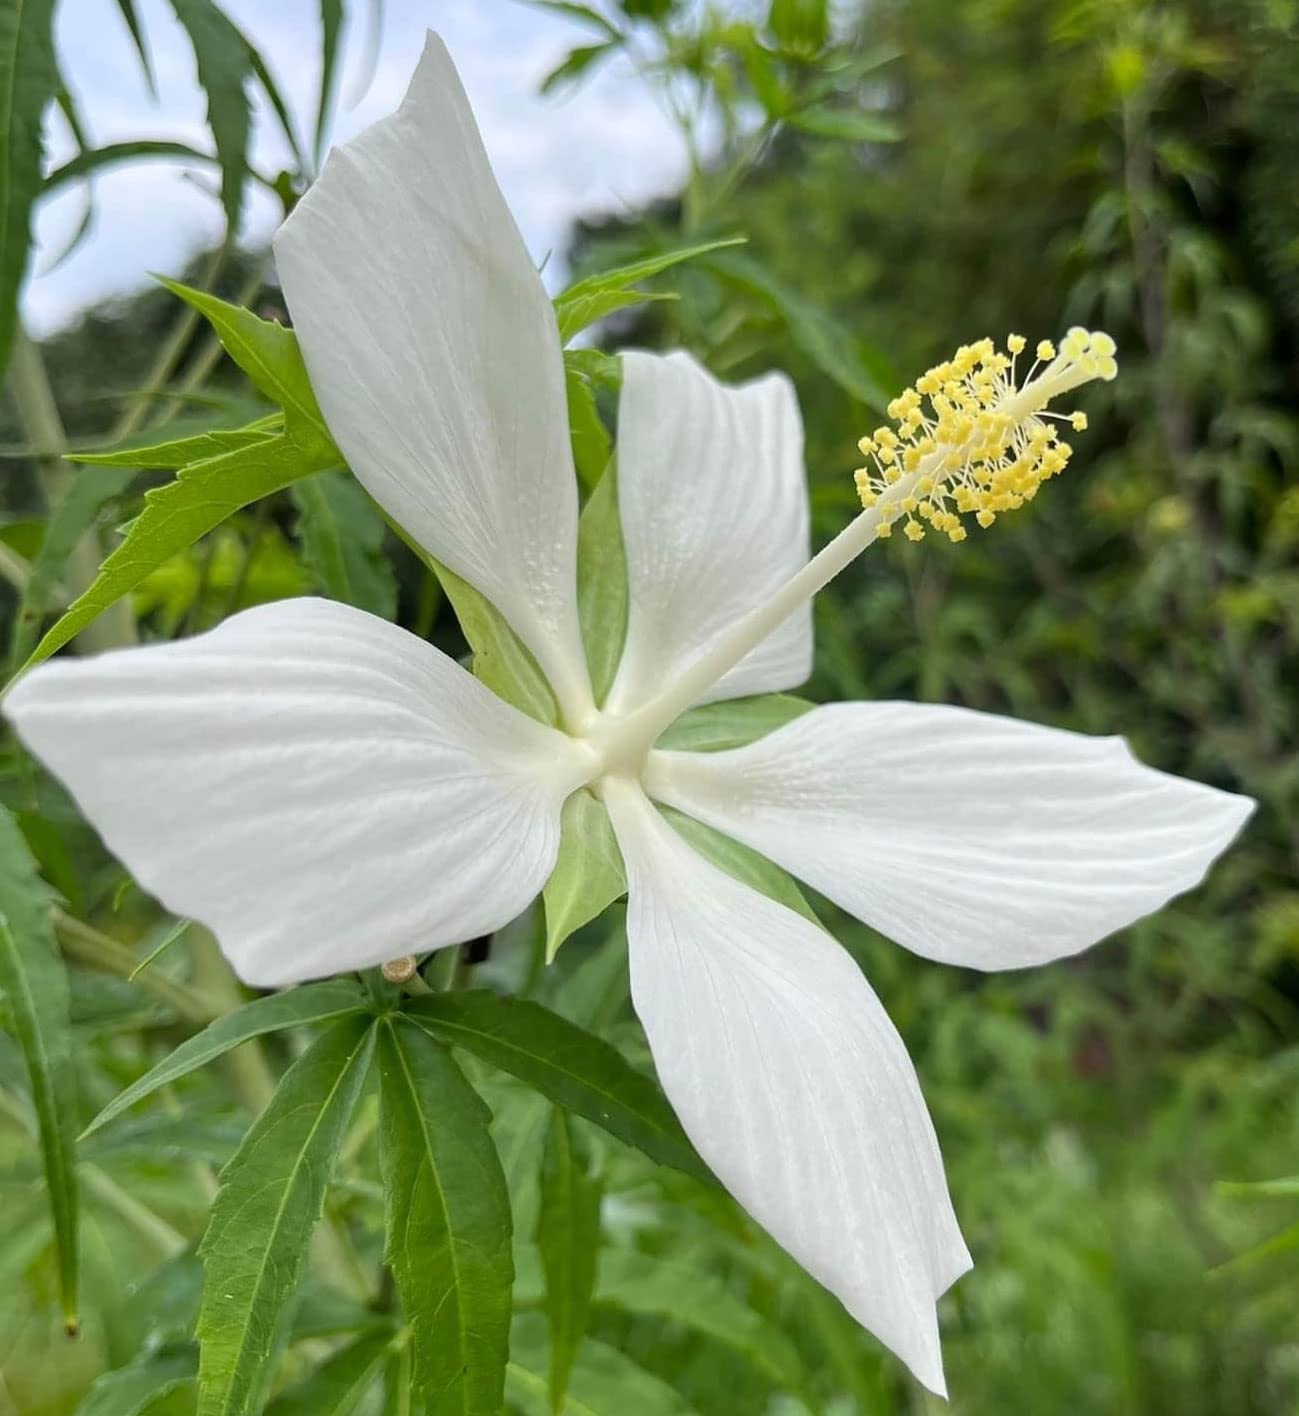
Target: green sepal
x=740 y=862
x=602 y=595
x=588 y=875
x=501 y=659
x=733 y=722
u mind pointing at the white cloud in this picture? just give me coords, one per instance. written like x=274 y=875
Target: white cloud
x=604 y=148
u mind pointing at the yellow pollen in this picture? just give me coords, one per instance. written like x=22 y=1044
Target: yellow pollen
x=969 y=441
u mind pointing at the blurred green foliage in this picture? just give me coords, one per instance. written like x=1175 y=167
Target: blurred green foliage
x=924 y=175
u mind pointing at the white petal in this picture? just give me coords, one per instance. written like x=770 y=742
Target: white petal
x=792 y=1083
x=714 y=509
x=970 y=838
x=321 y=789
x=434 y=352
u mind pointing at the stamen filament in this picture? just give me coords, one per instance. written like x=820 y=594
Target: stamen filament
x=1006 y=422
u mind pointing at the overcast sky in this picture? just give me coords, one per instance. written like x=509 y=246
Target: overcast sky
x=604 y=147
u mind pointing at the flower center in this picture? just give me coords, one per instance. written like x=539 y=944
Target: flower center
x=618 y=744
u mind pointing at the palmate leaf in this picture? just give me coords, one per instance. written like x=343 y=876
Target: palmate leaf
x=92 y=160
x=858 y=368
x=139 y=454
x=572 y=1067
x=342 y=542
x=272 y=1193
x=339 y=1385
x=35 y=987
x=132 y=1390
x=224 y=66
x=568 y=1231
x=27 y=82
x=604 y=1382
x=86 y=496
x=649 y=1285
x=269 y=354
x=310 y=1003
x=595 y=296
x=200 y=498
x=331 y=22
x=448 y=1223
x=132 y=22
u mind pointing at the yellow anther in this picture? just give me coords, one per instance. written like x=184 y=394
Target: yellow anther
x=981 y=447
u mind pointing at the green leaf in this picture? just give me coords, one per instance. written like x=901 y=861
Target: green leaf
x=331 y=22
x=588 y=875
x=180 y=452
x=604 y=1382
x=800 y=25
x=501 y=660
x=27 y=82
x=272 y=1193
x=591 y=444
x=91 y=160
x=86 y=495
x=448 y=1223
x=297 y=1007
x=648 y=1285
x=849 y=125
x=602 y=594
x=35 y=985
x=739 y=861
x=340 y=1383
x=858 y=369
x=602 y=371
x=583 y=14
x=568 y=1236
x=575 y=64
x=132 y=1390
x=590 y=299
x=342 y=542
x=574 y=1068
x=269 y=354
x=714 y=727
x=132 y=22
x=224 y=66
x=200 y=498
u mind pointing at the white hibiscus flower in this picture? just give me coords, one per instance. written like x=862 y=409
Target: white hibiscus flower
x=326 y=792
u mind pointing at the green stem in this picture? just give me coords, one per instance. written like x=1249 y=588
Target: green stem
x=100 y=951
x=168 y=1241
x=39 y=415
